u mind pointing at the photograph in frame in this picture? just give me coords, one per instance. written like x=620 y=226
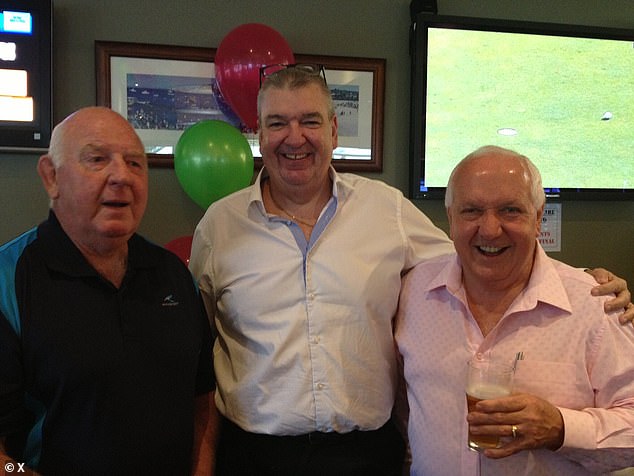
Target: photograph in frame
x=163 y=89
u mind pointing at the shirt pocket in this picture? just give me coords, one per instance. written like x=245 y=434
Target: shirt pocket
x=560 y=383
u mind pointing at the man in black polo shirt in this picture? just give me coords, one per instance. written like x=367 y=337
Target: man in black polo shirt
x=105 y=350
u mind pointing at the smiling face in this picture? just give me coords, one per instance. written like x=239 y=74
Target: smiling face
x=96 y=175
x=494 y=221
x=297 y=137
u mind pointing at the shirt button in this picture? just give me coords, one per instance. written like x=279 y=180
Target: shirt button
x=320 y=386
x=315 y=340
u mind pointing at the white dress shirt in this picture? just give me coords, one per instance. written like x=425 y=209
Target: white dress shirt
x=304 y=329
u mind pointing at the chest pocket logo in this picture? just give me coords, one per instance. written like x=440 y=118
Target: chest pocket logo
x=169 y=301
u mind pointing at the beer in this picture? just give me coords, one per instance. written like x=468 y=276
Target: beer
x=474 y=395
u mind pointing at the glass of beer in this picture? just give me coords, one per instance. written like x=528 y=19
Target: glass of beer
x=487 y=379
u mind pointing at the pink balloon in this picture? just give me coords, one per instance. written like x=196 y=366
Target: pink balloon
x=181 y=247
x=238 y=60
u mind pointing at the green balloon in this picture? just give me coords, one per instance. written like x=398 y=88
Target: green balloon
x=212 y=159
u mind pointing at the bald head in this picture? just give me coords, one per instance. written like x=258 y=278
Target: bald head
x=81 y=122
x=499 y=157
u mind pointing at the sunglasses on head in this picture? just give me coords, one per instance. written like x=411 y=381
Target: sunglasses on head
x=311 y=69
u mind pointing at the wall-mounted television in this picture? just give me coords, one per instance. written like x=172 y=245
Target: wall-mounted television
x=25 y=74
x=563 y=95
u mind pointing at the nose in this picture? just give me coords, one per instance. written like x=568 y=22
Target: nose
x=490 y=224
x=295 y=135
x=119 y=171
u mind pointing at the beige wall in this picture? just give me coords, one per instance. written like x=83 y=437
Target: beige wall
x=594 y=233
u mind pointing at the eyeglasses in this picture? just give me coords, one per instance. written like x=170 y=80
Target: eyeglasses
x=310 y=69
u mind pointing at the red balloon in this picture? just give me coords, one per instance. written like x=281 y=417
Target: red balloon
x=238 y=60
x=181 y=247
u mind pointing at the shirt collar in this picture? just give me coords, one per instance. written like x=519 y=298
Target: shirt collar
x=339 y=187
x=62 y=255
x=544 y=284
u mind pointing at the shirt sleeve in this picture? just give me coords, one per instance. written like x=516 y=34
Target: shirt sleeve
x=424 y=240
x=200 y=267
x=12 y=411
x=602 y=438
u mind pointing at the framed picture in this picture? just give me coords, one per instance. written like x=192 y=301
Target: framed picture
x=163 y=89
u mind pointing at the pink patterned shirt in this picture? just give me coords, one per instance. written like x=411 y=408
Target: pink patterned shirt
x=575 y=357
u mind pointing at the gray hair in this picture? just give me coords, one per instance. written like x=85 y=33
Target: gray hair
x=295 y=78
x=55 y=149
x=534 y=178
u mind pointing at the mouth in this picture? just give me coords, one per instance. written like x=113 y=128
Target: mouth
x=491 y=250
x=295 y=157
x=115 y=204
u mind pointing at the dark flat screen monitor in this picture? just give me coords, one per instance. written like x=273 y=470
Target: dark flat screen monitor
x=25 y=74
x=563 y=95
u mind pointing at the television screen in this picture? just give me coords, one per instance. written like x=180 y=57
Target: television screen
x=25 y=74
x=562 y=95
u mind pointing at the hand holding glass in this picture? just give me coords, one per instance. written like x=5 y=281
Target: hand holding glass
x=486 y=379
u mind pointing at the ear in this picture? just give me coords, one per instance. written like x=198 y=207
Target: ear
x=449 y=218
x=335 y=134
x=48 y=174
x=538 y=224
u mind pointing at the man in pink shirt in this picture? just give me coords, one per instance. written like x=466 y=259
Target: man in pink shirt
x=572 y=407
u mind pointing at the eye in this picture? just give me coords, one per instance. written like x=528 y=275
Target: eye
x=136 y=162
x=275 y=124
x=511 y=211
x=94 y=161
x=311 y=123
x=470 y=213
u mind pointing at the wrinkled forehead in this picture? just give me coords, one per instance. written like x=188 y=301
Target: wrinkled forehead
x=103 y=133
x=502 y=181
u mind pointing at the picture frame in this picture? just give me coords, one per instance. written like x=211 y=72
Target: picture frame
x=358 y=86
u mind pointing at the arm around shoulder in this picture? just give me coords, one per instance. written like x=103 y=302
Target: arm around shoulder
x=609 y=283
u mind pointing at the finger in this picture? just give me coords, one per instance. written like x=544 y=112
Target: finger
x=491 y=430
x=620 y=301
x=500 y=409
x=628 y=314
x=514 y=446
x=600 y=275
x=614 y=285
x=505 y=431
x=513 y=442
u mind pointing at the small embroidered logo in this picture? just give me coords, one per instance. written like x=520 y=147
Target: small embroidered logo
x=169 y=301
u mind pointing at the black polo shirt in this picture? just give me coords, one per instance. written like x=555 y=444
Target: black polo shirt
x=95 y=379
